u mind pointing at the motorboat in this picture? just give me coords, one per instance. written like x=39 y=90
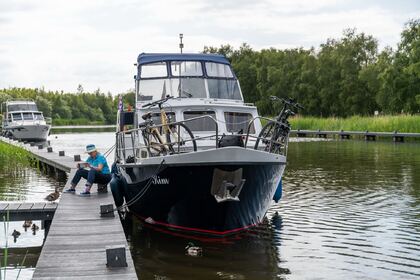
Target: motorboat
x=214 y=174
x=23 y=121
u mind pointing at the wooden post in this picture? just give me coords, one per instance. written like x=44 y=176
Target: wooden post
x=61 y=153
x=370 y=137
x=397 y=138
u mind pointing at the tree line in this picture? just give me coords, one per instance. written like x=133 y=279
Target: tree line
x=72 y=108
x=344 y=77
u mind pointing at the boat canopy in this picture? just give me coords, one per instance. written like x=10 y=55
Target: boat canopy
x=145 y=58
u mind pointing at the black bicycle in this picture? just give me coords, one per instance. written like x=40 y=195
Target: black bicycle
x=165 y=138
x=275 y=133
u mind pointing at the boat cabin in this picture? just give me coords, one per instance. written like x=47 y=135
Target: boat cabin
x=21 y=111
x=204 y=84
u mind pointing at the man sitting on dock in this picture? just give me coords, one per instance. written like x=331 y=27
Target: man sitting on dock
x=97 y=172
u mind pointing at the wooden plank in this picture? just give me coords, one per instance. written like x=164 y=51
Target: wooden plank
x=50 y=206
x=13 y=206
x=25 y=206
x=38 y=206
x=3 y=205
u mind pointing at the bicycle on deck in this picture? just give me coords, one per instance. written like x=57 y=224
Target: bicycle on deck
x=167 y=137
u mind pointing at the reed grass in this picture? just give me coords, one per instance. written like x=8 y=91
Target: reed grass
x=401 y=123
x=6 y=247
x=13 y=154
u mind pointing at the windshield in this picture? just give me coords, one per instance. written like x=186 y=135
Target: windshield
x=218 y=70
x=189 y=79
x=22 y=107
x=154 y=70
x=17 y=116
x=153 y=89
x=189 y=87
x=224 y=89
x=186 y=68
x=27 y=116
x=38 y=116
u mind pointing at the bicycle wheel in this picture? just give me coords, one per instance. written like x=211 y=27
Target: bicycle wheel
x=153 y=144
x=181 y=139
x=272 y=137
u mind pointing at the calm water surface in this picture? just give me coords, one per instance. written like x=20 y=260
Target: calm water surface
x=350 y=210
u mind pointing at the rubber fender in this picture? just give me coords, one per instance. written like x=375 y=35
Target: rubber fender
x=279 y=191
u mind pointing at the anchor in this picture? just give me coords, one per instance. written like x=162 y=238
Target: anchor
x=227 y=185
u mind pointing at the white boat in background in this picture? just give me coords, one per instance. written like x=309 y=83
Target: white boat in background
x=23 y=121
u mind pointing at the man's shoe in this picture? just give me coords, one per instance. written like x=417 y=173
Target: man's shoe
x=70 y=190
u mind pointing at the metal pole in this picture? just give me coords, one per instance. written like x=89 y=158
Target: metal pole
x=181 y=45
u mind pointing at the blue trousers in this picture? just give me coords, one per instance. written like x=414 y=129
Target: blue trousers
x=91 y=176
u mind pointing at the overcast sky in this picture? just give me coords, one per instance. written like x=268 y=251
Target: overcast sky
x=60 y=44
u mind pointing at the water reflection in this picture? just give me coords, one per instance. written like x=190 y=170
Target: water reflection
x=161 y=254
x=351 y=209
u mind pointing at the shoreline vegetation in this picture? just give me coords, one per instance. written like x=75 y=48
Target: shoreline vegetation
x=401 y=123
x=10 y=153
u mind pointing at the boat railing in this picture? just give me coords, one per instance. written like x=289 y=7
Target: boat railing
x=136 y=146
x=267 y=143
x=132 y=150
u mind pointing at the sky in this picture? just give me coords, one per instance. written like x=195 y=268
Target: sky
x=59 y=44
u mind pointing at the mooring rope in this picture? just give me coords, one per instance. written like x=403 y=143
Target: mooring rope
x=144 y=190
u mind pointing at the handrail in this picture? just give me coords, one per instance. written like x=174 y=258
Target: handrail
x=135 y=133
x=252 y=121
x=132 y=132
x=176 y=123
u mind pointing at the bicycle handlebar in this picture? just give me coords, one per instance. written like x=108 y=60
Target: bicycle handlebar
x=158 y=102
x=289 y=101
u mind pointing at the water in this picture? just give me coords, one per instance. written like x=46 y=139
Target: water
x=350 y=210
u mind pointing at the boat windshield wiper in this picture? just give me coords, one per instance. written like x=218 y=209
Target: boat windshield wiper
x=186 y=93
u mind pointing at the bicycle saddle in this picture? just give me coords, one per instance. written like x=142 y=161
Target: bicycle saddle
x=147 y=116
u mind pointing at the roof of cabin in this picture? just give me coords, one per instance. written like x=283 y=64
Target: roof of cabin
x=145 y=58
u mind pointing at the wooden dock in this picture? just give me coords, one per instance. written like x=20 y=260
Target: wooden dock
x=367 y=135
x=28 y=211
x=78 y=237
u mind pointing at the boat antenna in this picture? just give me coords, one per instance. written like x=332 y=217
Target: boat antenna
x=181 y=45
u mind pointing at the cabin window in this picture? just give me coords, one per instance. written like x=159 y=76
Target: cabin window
x=218 y=70
x=153 y=89
x=38 y=116
x=186 y=68
x=22 y=107
x=224 y=89
x=154 y=70
x=188 y=87
x=17 y=116
x=236 y=122
x=27 y=116
x=203 y=124
x=156 y=117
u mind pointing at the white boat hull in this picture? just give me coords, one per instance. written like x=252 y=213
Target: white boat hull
x=35 y=132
